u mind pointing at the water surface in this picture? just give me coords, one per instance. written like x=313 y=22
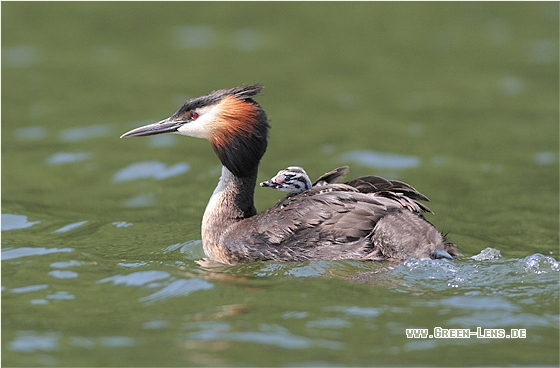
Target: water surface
x=101 y=252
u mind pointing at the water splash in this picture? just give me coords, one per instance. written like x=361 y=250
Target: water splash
x=487 y=254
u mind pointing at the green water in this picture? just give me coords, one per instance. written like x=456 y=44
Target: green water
x=100 y=237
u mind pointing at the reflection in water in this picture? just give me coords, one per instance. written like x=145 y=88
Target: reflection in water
x=122 y=224
x=31 y=133
x=136 y=278
x=26 y=252
x=195 y=37
x=141 y=200
x=155 y=324
x=69 y=227
x=19 y=56
x=512 y=86
x=268 y=335
x=83 y=133
x=381 y=160
x=177 y=288
x=106 y=54
x=116 y=341
x=150 y=169
x=63 y=274
x=29 y=341
x=13 y=222
x=64 y=264
x=545 y=158
x=61 y=295
x=67 y=157
x=247 y=39
x=162 y=140
x=29 y=289
x=544 y=51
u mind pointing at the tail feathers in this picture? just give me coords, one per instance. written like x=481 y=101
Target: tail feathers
x=403 y=234
x=372 y=184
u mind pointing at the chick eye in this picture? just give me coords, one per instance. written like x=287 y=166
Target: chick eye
x=194 y=115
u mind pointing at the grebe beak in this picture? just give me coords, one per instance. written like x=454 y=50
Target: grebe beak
x=164 y=126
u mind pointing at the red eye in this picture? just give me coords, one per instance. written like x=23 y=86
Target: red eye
x=194 y=116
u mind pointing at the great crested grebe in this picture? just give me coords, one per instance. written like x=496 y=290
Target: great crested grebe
x=351 y=221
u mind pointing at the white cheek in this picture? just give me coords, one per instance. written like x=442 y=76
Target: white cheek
x=202 y=127
x=195 y=129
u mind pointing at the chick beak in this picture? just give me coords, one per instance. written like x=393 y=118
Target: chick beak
x=269 y=184
x=164 y=126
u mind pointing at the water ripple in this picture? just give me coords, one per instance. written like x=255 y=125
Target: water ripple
x=195 y=36
x=136 y=278
x=61 y=295
x=268 y=335
x=150 y=169
x=29 y=342
x=500 y=319
x=27 y=251
x=63 y=274
x=19 y=56
x=381 y=160
x=178 y=288
x=29 y=289
x=545 y=158
x=192 y=249
x=83 y=133
x=67 y=157
x=31 y=133
x=69 y=227
x=14 y=222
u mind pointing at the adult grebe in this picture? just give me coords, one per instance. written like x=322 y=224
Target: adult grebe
x=347 y=222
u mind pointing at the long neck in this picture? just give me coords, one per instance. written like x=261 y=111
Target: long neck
x=231 y=202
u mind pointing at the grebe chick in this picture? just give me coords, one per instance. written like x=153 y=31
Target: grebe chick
x=351 y=221
x=292 y=179
x=295 y=180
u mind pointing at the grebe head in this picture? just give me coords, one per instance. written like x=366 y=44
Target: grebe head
x=293 y=180
x=230 y=119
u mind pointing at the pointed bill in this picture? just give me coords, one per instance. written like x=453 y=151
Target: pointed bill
x=164 y=126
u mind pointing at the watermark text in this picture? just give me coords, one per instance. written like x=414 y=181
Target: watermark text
x=466 y=333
